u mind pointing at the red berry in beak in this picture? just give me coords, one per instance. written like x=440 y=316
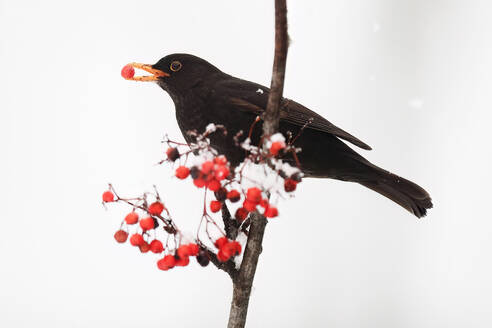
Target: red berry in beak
x=127 y=72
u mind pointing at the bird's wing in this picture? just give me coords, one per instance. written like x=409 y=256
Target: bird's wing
x=253 y=98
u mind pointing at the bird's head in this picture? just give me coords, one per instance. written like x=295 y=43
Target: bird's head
x=176 y=73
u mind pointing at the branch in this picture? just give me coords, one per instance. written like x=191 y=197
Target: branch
x=231 y=225
x=244 y=281
x=272 y=113
x=229 y=267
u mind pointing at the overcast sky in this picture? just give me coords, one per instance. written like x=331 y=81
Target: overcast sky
x=411 y=78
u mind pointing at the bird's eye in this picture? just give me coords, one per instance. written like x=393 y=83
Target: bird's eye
x=175 y=66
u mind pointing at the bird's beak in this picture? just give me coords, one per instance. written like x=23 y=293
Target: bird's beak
x=156 y=74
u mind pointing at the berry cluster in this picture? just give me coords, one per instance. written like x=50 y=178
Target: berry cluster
x=255 y=185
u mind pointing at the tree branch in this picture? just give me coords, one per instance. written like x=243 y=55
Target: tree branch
x=229 y=267
x=271 y=116
x=231 y=225
x=253 y=249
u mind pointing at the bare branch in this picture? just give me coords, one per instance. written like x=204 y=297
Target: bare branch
x=244 y=281
x=271 y=116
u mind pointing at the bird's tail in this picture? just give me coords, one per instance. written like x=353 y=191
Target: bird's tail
x=403 y=192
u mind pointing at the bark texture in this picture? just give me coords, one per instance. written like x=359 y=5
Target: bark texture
x=244 y=279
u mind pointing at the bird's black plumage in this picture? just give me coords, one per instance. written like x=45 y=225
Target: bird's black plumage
x=203 y=94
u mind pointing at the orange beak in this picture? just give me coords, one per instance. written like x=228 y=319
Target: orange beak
x=156 y=74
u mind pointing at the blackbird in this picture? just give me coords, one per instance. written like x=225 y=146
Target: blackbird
x=203 y=94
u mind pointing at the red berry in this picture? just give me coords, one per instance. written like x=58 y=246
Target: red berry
x=264 y=203
x=254 y=194
x=166 y=263
x=131 y=218
x=145 y=247
x=276 y=147
x=194 y=249
x=290 y=185
x=156 y=246
x=271 y=212
x=233 y=195
x=127 y=72
x=215 y=206
x=222 y=256
x=136 y=239
x=183 y=251
x=232 y=248
x=147 y=223
x=172 y=154
x=236 y=246
x=241 y=214
x=214 y=185
x=221 y=172
x=182 y=172
x=221 y=242
x=121 y=236
x=183 y=261
x=207 y=167
x=220 y=160
x=156 y=208
x=108 y=196
x=249 y=205
x=199 y=183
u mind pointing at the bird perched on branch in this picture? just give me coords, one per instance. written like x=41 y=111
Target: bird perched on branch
x=203 y=94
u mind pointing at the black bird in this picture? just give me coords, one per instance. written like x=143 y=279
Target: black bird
x=203 y=94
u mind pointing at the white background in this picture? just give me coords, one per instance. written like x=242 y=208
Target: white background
x=411 y=78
